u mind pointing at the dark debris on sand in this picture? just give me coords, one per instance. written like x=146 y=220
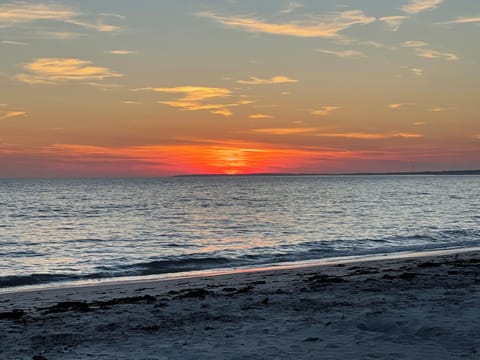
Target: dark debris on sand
x=82 y=306
x=65 y=306
x=320 y=280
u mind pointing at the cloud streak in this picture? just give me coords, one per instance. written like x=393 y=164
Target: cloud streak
x=321 y=26
x=344 y=54
x=292 y=6
x=417 y=71
x=395 y=106
x=60 y=35
x=371 y=136
x=463 y=20
x=421 y=50
x=434 y=54
x=21 y=12
x=130 y=102
x=119 y=52
x=98 y=26
x=192 y=93
x=7 y=113
x=57 y=70
x=393 y=22
x=260 y=116
x=196 y=98
x=11 y=42
x=325 y=110
x=439 y=109
x=414 y=44
x=274 y=80
x=348 y=135
x=418 y=6
x=284 y=131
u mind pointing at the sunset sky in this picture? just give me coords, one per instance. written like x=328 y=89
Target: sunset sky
x=153 y=88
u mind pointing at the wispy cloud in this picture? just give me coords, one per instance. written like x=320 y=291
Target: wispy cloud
x=260 y=116
x=98 y=26
x=130 y=102
x=395 y=106
x=414 y=44
x=434 y=54
x=56 y=70
x=323 y=26
x=284 y=131
x=120 y=52
x=393 y=22
x=60 y=35
x=324 y=110
x=463 y=20
x=421 y=50
x=104 y=86
x=439 y=109
x=417 y=71
x=418 y=6
x=11 y=42
x=113 y=15
x=7 y=113
x=344 y=54
x=406 y=135
x=419 y=123
x=10 y=114
x=198 y=98
x=274 y=80
x=291 y=7
x=192 y=93
x=22 y=12
x=222 y=111
x=377 y=45
x=371 y=136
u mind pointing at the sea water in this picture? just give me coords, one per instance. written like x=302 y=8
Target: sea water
x=71 y=229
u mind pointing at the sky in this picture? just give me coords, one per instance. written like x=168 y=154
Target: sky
x=158 y=88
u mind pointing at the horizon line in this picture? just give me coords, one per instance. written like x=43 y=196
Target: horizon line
x=362 y=173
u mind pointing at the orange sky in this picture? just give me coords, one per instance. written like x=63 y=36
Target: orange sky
x=114 y=88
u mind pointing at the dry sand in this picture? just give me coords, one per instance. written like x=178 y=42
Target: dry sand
x=416 y=308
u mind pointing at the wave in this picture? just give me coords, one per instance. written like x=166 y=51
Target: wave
x=262 y=256
x=33 y=279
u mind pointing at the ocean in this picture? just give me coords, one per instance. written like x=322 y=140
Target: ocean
x=61 y=230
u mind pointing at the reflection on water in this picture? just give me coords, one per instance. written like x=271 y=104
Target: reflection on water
x=100 y=227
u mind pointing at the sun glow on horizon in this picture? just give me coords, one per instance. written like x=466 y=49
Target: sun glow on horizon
x=228 y=159
x=237 y=87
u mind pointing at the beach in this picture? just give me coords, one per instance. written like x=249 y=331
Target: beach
x=411 y=308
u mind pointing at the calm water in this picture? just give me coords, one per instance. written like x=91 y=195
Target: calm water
x=53 y=230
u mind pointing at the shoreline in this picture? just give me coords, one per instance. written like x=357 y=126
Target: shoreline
x=125 y=280
x=415 y=308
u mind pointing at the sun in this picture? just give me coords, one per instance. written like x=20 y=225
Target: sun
x=232 y=161
x=243 y=158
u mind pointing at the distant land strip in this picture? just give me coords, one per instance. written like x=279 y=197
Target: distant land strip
x=445 y=172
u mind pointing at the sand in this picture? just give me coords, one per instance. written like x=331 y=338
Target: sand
x=411 y=308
